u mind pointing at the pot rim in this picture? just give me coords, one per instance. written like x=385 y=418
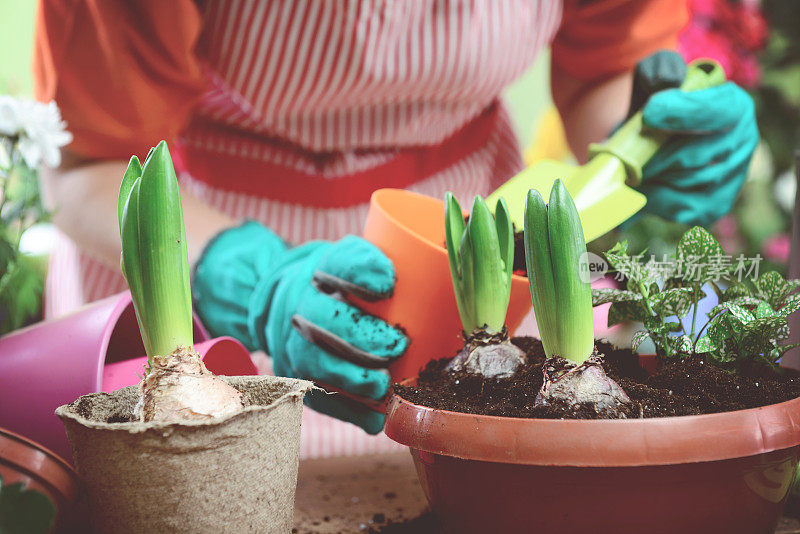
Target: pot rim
x=38 y=463
x=595 y=443
x=296 y=387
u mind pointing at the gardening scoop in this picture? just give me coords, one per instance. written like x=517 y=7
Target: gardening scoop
x=603 y=187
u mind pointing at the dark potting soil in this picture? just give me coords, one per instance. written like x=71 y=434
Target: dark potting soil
x=689 y=386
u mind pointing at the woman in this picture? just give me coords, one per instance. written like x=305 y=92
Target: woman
x=292 y=113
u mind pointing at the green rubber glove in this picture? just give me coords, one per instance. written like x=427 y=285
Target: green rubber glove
x=695 y=177
x=291 y=303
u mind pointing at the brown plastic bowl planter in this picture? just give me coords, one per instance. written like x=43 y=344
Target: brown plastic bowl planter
x=233 y=474
x=37 y=468
x=727 y=472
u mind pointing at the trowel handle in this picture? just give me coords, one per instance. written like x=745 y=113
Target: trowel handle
x=635 y=144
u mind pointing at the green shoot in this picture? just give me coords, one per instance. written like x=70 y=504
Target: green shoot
x=154 y=255
x=481 y=254
x=554 y=250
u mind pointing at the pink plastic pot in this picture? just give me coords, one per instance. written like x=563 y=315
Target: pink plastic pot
x=97 y=348
x=728 y=472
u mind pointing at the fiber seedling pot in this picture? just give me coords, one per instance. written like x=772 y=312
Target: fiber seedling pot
x=726 y=472
x=97 y=348
x=234 y=474
x=409 y=229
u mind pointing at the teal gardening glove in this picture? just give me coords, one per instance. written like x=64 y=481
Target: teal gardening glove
x=695 y=177
x=290 y=302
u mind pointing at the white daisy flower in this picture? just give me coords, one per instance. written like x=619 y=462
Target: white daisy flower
x=39 y=128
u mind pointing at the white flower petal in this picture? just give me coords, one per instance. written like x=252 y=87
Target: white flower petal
x=31 y=152
x=39 y=127
x=9 y=115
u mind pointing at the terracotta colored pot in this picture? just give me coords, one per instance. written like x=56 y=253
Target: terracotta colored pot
x=409 y=229
x=97 y=348
x=37 y=468
x=728 y=472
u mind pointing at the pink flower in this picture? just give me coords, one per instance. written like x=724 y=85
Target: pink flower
x=777 y=248
x=730 y=31
x=726 y=227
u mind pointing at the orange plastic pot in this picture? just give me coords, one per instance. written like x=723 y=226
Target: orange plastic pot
x=728 y=472
x=409 y=229
x=37 y=468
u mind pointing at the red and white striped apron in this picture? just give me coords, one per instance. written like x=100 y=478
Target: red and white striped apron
x=312 y=105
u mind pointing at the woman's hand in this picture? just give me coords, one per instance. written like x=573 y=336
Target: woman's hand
x=695 y=177
x=291 y=303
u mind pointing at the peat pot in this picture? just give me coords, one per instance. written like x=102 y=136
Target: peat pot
x=95 y=348
x=234 y=474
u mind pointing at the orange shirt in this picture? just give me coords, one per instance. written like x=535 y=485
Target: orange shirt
x=127 y=74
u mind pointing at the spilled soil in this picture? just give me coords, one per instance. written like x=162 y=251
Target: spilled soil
x=688 y=386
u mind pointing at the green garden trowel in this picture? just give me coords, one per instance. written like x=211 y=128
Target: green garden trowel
x=602 y=187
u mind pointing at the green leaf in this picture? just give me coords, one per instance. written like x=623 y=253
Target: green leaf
x=24 y=511
x=638 y=338
x=575 y=322
x=698 y=242
x=720 y=329
x=675 y=282
x=606 y=295
x=505 y=236
x=759 y=336
x=540 y=270
x=743 y=302
x=680 y=344
x=736 y=291
x=554 y=250
x=491 y=280
x=132 y=174
x=21 y=289
x=780 y=350
x=705 y=344
x=783 y=333
x=676 y=301
x=763 y=310
x=740 y=313
x=154 y=255
x=8 y=254
x=723 y=355
x=481 y=262
x=454 y=227
x=773 y=288
x=790 y=305
x=655 y=325
x=673 y=326
x=701 y=257
x=628 y=311
x=617 y=257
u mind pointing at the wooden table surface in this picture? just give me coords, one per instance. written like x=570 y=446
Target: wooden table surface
x=374 y=494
